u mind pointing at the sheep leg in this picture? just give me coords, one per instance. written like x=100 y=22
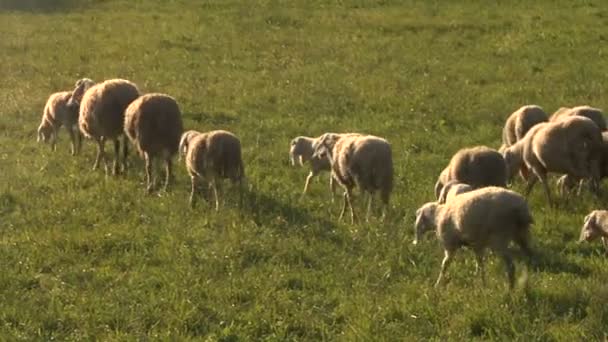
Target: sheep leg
x=308 y=179
x=349 y=197
x=543 y=181
x=72 y=139
x=54 y=139
x=369 y=206
x=148 y=160
x=100 y=153
x=332 y=187
x=168 y=173
x=345 y=200
x=79 y=141
x=447 y=259
x=125 y=153
x=193 y=191
x=531 y=182
x=215 y=184
x=508 y=260
x=479 y=266
x=116 y=164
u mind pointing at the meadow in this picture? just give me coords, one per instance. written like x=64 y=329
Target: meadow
x=89 y=257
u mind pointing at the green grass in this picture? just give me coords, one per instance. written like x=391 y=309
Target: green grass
x=84 y=256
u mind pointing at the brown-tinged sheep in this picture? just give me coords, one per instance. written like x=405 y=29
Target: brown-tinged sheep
x=364 y=161
x=520 y=122
x=213 y=156
x=595 y=225
x=478 y=167
x=57 y=113
x=102 y=116
x=566 y=183
x=153 y=123
x=595 y=114
x=570 y=146
x=81 y=87
x=301 y=149
x=186 y=139
x=490 y=217
x=452 y=189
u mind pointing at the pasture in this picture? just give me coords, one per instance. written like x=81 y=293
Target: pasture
x=85 y=256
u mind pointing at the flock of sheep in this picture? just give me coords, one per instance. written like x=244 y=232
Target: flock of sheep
x=473 y=206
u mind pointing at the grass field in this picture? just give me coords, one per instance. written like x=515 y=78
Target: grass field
x=89 y=257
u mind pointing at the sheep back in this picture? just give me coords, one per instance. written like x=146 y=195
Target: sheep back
x=520 y=122
x=215 y=153
x=153 y=123
x=594 y=114
x=103 y=106
x=480 y=215
x=478 y=166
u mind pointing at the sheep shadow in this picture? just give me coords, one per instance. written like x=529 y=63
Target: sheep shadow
x=41 y=6
x=214 y=119
x=546 y=259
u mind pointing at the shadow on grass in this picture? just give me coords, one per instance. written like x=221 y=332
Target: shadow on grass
x=44 y=6
x=546 y=260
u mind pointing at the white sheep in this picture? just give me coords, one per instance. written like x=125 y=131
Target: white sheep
x=490 y=217
x=301 y=149
x=57 y=113
x=213 y=156
x=452 y=189
x=477 y=166
x=364 y=161
x=153 y=123
x=595 y=114
x=595 y=225
x=520 y=122
x=102 y=116
x=569 y=146
x=184 y=142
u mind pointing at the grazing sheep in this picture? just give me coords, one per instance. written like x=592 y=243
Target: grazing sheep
x=213 y=156
x=153 y=123
x=595 y=225
x=57 y=113
x=570 y=146
x=301 y=149
x=478 y=166
x=595 y=114
x=185 y=140
x=452 y=189
x=514 y=154
x=488 y=217
x=360 y=160
x=520 y=122
x=102 y=116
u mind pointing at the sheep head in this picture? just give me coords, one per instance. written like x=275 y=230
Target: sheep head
x=81 y=86
x=590 y=230
x=300 y=149
x=184 y=142
x=44 y=132
x=513 y=159
x=425 y=220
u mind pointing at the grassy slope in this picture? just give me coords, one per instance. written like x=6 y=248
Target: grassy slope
x=85 y=256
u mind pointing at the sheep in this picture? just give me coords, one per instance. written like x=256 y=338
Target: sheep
x=514 y=154
x=153 y=123
x=57 y=113
x=102 y=116
x=488 y=217
x=595 y=114
x=595 y=225
x=185 y=140
x=80 y=87
x=301 y=149
x=570 y=146
x=452 y=189
x=212 y=156
x=478 y=166
x=565 y=183
x=520 y=122
x=360 y=160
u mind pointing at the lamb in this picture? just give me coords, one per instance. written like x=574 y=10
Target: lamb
x=488 y=217
x=520 y=122
x=57 y=113
x=213 y=156
x=595 y=114
x=570 y=146
x=102 y=116
x=301 y=148
x=595 y=225
x=153 y=123
x=360 y=160
x=478 y=167
x=452 y=189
